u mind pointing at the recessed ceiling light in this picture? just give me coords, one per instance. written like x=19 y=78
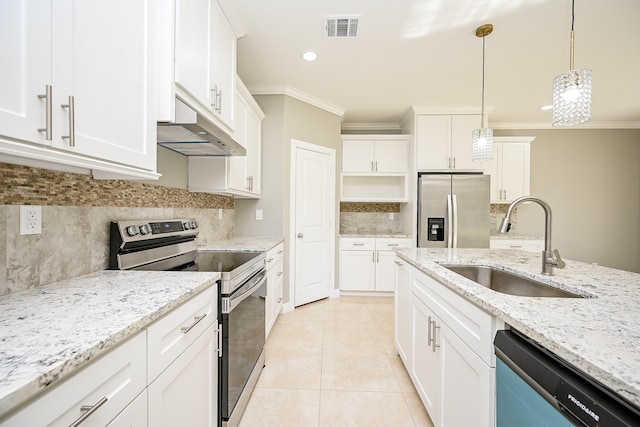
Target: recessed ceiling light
x=310 y=56
x=546 y=107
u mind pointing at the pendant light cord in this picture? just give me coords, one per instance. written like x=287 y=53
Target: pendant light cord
x=482 y=111
x=573 y=16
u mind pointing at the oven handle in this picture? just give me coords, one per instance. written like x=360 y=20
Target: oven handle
x=237 y=297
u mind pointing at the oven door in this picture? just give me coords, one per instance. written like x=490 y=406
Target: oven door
x=243 y=338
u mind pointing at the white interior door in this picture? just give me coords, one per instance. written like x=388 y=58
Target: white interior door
x=314 y=206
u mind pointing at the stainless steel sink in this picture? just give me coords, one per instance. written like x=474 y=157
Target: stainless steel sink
x=508 y=283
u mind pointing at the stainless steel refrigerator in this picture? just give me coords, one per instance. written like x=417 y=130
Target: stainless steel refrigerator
x=453 y=210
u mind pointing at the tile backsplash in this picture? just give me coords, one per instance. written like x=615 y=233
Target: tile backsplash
x=76 y=212
x=370 y=218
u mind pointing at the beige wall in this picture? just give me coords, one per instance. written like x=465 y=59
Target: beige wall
x=591 y=179
x=173 y=167
x=286 y=118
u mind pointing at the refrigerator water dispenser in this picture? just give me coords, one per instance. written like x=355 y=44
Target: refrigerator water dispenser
x=436 y=229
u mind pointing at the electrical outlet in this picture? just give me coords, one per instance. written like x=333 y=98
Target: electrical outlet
x=30 y=220
x=258 y=214
x=392 y=215
x=220 y=214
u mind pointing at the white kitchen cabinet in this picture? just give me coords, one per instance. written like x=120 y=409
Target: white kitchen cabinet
x=236 y=175
x=443 y=141
x=451 y=355
x=205 y=57
x=367 y=264
x=402 y=312
x=510 y=168
x=529 y=245
x=186 y=393
x=275 y=285
x=106 y=386
x=134 y=415
x=374 y=168
x=102 y=78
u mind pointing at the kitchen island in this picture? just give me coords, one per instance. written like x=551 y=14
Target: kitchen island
x=599 y=334
x=50 y=332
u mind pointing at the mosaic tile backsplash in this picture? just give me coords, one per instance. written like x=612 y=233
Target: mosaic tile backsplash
x=76 y=212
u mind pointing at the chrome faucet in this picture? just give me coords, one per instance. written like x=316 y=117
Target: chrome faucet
x=550 y=259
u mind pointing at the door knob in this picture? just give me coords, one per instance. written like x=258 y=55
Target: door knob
x=300 y=235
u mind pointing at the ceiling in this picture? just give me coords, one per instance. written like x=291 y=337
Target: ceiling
x=424 y=53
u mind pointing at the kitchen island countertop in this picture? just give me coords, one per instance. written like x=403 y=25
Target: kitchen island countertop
x=49 y=332
x=599 y=334
x=248 y=244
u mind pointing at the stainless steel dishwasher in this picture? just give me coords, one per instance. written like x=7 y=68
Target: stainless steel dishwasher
x=537 y=388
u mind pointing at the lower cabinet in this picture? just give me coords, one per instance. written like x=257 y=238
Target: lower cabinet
x=529 y=245
x=367 y=264
x=166 y=375
x=186 y=393
x=446 y=344
x=275 y=285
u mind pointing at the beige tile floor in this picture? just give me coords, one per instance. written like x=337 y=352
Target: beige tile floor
x=333 y=363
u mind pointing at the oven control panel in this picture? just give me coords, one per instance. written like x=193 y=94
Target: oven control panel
x=137 y=230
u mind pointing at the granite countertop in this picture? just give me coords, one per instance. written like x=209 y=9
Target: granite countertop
x=50 y=331
x=600 y=335
x=248 y=244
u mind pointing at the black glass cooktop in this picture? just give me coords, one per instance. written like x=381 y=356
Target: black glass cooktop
x=222 y=262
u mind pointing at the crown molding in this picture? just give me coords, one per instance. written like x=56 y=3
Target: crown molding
x=297 y=94
x=378 y=127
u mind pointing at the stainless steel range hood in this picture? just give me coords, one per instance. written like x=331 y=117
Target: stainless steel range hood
x=195 y=135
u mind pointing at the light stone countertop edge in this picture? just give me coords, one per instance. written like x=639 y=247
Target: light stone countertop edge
x=50 y=332
x=599 y=335
x=241 y=243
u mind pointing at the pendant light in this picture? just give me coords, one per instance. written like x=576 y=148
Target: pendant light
x=572 y=91
x=482 y=138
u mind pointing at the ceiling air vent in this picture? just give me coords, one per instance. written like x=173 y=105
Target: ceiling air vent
x=338 y=27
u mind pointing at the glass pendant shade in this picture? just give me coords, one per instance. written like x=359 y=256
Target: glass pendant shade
x=572 y=98
x=482 y=140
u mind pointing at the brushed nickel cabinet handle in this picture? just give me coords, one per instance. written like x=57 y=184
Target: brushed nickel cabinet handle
x=219 y=331
x=196 y=320
x=88 y=411
x=48 y=111
x=72 y=121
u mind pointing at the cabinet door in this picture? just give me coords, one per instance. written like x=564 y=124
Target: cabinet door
x=357 y=156
x=193 y=49
x=433 y=140
x=223 y=55
x=237 y=165
x=274 y=294
x=461 y=143
x=25 y=49
x=493 y=169
x=390 y=156
x=403 y=313
x=357 y=270
x=464 y=378
x=425 y=362
x=186 y=393
x=134 y=415
x=515 y=170
x=110 y=70
x=254 y=152
x=385 y=270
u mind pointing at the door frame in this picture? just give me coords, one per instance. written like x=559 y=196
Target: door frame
x=331 y=152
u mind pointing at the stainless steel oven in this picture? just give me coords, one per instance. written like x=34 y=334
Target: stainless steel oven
x=170 y=245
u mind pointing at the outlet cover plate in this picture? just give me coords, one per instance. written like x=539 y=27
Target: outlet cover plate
x=30 y=220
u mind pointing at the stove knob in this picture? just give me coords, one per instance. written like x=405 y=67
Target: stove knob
x=145 y=229
x=132 y=230
x=194 y=225
x=187 y=225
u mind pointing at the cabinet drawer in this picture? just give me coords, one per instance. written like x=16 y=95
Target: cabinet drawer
x=108 y=384
x=274 y=255
x=357 y=244
x=392 y=243
x=474 y=326
x=173 y=333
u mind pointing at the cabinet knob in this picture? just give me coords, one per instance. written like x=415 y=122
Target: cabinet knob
x=300 y=235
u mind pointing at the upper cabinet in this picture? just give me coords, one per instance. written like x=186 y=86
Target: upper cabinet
x=236 y=175
x=510 y=168
x=79 y=90
x=205 y=57
x=374 y=168
x=443 y=141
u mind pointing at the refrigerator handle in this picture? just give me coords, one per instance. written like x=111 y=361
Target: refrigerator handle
x=455 y=221
x=449 y=220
